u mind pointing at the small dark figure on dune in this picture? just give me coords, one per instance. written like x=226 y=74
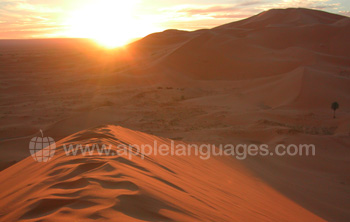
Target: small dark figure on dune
x=334 y=106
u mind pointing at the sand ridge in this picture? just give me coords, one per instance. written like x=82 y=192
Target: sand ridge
x=157 y=188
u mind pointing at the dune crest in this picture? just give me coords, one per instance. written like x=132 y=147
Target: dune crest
x=157 y=188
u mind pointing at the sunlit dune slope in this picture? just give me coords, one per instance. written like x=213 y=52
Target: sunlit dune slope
x=116 y=188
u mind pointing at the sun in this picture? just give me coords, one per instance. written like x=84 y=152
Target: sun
x=111 y=23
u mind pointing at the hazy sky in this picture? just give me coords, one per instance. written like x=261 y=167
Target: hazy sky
x=65 y=18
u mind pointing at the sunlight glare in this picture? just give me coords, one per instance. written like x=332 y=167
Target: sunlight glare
x=111 y=23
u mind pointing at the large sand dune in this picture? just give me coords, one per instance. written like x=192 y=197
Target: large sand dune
x=271 y=43
x=158 y=188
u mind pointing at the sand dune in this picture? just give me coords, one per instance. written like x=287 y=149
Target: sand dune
x=157 y=188
x=271 y=43
x=286 y=17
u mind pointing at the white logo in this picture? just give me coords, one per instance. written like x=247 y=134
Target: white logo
x=42 y=148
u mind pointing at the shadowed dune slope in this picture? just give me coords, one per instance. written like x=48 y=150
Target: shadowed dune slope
x=271 y=43
x=286 y=17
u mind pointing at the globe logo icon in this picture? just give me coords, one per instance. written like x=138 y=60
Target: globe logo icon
x=42 y=148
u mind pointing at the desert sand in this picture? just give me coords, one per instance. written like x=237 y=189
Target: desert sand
x=267 y=79
x=157 y=188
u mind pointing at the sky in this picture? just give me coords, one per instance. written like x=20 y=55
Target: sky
x=107 y=19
